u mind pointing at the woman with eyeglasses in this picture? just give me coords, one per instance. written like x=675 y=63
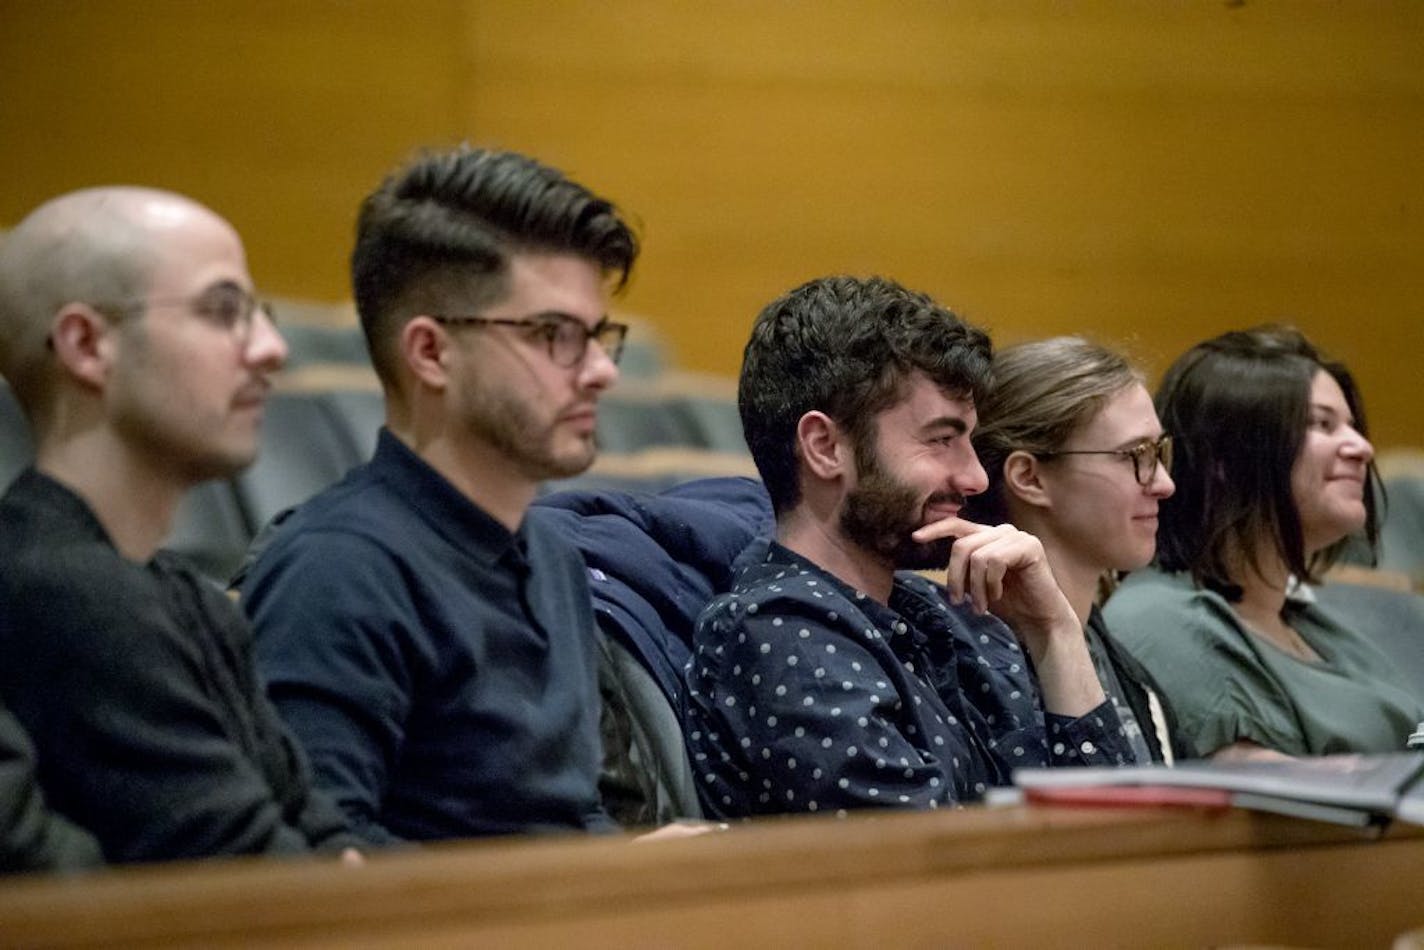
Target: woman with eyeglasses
x=1274 y=473
x=1076 y=456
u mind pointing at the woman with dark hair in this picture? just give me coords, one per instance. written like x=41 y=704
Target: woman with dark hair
x=1274 y=473
x=1076 y=457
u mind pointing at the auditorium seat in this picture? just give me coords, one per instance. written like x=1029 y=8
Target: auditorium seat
x=309 y=344
x=1401 y=541
x=654 y=470
x=304 y=449
x=1392 y=619
x=709 y=403
x=360 y=413
x=631 y=422
x=209 y=529
x=17 y=447
x=1402 y=532
x=644 y=354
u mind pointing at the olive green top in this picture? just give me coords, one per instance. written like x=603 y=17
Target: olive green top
x=1226 y=683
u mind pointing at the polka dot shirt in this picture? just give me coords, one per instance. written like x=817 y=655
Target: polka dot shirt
x=805 y=695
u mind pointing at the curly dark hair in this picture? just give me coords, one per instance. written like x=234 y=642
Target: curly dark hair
x=846 y=346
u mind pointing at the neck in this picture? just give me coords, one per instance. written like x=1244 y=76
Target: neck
x=1077 y=580
x=1076 y=577
x=478 y=471
x=133 y=499
x=817 y=540
x=1263 y=592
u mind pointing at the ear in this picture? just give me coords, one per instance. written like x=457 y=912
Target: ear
x=1023 y=480
x=424 y=348
x=83 y=341
x=824 y=446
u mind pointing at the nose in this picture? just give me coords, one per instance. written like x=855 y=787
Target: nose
x=265 y=346
x=1161 y=485
x=1356 y=446
x=597 y=371
x=970 y=478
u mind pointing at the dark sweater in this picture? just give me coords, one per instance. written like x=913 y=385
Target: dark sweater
x=135 y=682
x=33 y=838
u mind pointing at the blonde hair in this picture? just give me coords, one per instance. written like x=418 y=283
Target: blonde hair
x=1042 y=393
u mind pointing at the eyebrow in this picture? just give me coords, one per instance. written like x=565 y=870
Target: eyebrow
x=1329 y=410
x=227 y=283
x=953 y=423
x=550 y=316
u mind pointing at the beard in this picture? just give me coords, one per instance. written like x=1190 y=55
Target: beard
x=516 y=431
x=881 y=512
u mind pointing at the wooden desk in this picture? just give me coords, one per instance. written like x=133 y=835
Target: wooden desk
x=1018 y=876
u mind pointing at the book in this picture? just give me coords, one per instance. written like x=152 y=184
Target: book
x=1346 y=789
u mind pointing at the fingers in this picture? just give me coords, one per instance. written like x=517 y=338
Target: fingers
x=982 y=559
x=947 y=528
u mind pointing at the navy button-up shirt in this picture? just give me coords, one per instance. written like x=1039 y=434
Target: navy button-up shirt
x=807 y=695
x=439 y=669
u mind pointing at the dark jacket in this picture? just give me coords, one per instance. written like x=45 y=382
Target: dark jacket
x=657 y=559
x=1136 y=684
x=654 y=561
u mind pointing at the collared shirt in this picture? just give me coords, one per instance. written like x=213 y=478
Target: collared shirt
x=135 y=682
x=807 y=695
x=439 y=669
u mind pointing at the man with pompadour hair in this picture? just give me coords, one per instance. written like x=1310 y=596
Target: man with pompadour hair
x=432 y=643
x=831 y=676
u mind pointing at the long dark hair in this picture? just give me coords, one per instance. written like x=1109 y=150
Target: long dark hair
x=1238 y=406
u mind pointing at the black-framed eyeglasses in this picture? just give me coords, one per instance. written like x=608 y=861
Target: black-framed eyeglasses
x=1145 y=456
x=565 y=337
x=228 y=307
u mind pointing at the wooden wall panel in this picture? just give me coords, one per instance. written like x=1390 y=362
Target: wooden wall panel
x=1147 y=173
x=279 y=115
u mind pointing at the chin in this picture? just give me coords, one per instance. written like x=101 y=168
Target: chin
x=216 y=466
x=567 y=466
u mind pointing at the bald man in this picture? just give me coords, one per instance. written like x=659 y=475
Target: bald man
x=132 y=339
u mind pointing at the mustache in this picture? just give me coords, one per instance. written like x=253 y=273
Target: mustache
x=255 y=390
x=945 y=497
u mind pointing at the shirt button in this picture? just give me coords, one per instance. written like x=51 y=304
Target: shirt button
x=1088 y=748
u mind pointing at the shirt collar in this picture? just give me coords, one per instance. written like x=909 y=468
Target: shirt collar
x=443 y=506
x=891 y=620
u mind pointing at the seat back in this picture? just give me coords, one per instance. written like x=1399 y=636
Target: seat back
x=304 y=449
x=17 y=445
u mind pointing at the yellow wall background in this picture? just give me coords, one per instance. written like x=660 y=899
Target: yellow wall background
x=1145 y=173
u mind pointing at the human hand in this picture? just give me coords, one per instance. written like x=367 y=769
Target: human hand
x=686 y=828
x=1004 y=570
x=1244 y=750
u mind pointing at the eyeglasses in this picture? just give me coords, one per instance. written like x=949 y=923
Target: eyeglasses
x=226 y=306
x=565 y=337
x=1146 y=456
